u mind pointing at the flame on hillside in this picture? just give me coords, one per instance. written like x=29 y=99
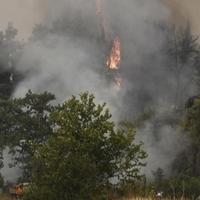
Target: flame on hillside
x=114 y=60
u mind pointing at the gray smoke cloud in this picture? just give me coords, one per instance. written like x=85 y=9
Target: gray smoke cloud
x=66 y=64
x=10 y=174
x=163 y=144
x=71 y=58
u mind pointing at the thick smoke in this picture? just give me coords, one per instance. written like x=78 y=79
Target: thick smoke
x=69 y=56
x=10 y=174
x=68 y=59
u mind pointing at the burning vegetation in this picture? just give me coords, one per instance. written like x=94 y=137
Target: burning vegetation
x=157 y=75
x=114 y=60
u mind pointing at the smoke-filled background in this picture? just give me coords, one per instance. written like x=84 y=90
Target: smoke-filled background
x=26 y=13
x=67 y=54
x=23 y=13
x=186 y=10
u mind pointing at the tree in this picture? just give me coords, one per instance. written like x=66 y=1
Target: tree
x=1 y=181
x=85 y=156
x=158 y=178
x=24 y=123
x=192 y=127
x=183 y=52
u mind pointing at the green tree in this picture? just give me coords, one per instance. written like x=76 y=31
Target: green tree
x=24 y=123
x=183 y=52
x=158 y=178
x=192 y=127
x=182 y=187
x=85 y=156
x=1 y=181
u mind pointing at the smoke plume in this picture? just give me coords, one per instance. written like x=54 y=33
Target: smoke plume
x=67 y=55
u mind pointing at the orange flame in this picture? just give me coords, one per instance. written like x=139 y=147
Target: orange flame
x=114 y=59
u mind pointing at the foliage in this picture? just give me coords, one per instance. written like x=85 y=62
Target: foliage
x=158 y=178
x=86 y=155
x=192 y=127
x=183 y=51
x=77 y=147
x=183 y=45
x=191 y=122
x=24 y=123
x=1 y=181
x=184 y=186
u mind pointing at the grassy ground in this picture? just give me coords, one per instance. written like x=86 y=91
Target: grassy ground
x=5 y=197
x=150 y=198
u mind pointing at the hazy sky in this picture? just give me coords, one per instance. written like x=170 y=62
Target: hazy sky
x=188 y=9
x=25 y=13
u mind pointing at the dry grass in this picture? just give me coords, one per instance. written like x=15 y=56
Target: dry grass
x=5 y=197
x=151 y=198
x=140 y=198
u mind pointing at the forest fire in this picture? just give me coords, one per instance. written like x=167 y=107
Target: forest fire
x=114 y=59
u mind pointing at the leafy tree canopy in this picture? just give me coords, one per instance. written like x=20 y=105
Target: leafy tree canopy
x=24 y=123
x=192 y=127
x=86 y=155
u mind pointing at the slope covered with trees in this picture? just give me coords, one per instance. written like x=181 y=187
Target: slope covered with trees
x=74 y=150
